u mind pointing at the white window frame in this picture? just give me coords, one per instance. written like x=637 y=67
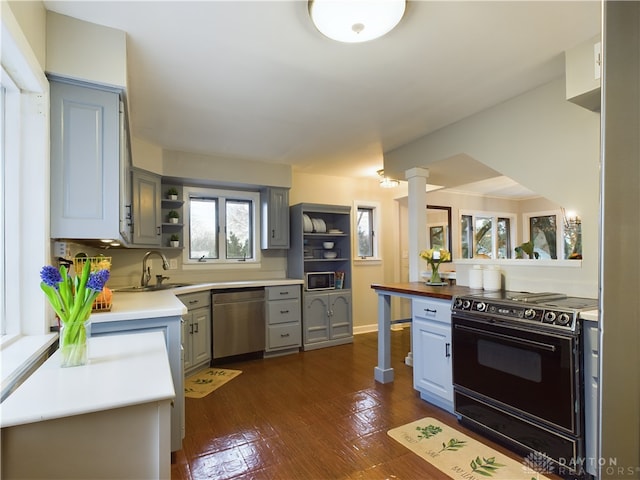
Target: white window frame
x=377 y=223
x=26 y=182
x=560 y=229
x=513 y=224
x=222 y=263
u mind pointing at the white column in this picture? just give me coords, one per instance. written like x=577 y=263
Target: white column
x=417 y=179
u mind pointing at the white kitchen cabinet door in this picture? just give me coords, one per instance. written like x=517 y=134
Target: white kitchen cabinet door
x=201 y=336
x=275 y=218
x=327 y=319
x=340 y=314
x=85 y=162
x=147 y=229
x=432 y=362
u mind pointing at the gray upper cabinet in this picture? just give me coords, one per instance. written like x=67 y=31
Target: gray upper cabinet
x=87 y=126
x=147 y=218
x=275 y=218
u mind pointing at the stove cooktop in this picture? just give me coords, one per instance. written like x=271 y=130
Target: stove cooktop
x=545 y=309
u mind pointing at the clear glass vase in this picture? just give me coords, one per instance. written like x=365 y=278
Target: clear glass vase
x=73 y=344
x=435 y=275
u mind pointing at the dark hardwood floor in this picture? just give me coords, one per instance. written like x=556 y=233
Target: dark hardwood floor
x=313 y=415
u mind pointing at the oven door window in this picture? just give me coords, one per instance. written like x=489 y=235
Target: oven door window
x=530 y=372
x=510 y=360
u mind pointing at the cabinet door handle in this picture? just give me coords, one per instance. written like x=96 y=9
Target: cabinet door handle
x=193 y=302
x=282 y=312
x=284 y=293
x=273 y=234
x=428 y=310
x=191 y=329
x=159 y=231
x=284 y=335
x=197 y=327
x=447 y=353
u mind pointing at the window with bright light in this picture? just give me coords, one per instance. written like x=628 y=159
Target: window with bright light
x=552 y=236
x=222 y=226
x=486 y=235
x=367 y=222
x=3 y=310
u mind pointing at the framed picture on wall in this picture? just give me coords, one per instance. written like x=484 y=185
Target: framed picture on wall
x=437 y=237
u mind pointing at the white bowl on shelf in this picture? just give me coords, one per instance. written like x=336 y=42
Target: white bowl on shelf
x=330 y=255
x=327 y=245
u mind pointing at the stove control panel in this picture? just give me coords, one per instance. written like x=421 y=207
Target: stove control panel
x=517 y=312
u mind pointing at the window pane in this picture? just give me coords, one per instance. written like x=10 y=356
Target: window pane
x=543 y=232
x=484 y=241
x=203 y=225
x=504 y=238
x=2 y=248
x=238 y=231
x=466 y=240
x=365 y=232
x=573 y=242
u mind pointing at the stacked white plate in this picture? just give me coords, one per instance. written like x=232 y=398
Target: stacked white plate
x=318 y=225
x=335 y=230
x=308 y=225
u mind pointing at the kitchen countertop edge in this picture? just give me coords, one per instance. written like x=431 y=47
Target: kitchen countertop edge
x=446 y=292
x=165 y=303
x=112 y=379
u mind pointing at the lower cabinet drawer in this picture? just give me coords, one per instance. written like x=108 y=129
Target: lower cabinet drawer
x=282 y=292
x=432 y=309
x=283 y=311
x=288 y=335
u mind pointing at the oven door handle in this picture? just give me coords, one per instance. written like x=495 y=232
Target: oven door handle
x=521 y=341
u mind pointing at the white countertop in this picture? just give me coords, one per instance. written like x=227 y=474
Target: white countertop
x=137 y=305
x=236 y=284
x=164 y=303
x=591 y=315
x=123 y=370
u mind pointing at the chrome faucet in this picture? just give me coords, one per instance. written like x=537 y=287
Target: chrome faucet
x=146 y=271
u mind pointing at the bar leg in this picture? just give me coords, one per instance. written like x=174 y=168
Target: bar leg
x=383 y=373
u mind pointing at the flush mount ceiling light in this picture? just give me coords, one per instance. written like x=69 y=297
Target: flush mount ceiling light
x=386 y=182
x=354 y=21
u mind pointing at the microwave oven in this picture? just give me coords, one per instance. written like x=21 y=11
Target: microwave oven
x=320 y=281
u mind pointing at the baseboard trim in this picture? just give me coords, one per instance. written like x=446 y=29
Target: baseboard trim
x=373 y=327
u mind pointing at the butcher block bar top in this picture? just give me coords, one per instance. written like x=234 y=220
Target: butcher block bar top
x=423 y=290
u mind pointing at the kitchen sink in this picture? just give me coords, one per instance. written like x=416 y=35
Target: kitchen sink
x=152 y=288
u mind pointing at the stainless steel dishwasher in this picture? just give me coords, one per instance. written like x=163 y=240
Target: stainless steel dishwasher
x=238 y=322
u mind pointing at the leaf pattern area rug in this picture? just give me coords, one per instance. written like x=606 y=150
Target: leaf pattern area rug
x=206 y=381
x=459 y=456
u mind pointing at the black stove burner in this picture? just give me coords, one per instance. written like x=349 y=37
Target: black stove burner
x=544 y=309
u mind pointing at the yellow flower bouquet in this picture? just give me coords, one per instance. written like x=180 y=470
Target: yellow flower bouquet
x=435 y=256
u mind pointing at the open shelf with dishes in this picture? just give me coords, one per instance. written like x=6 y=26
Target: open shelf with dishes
x=321 y=242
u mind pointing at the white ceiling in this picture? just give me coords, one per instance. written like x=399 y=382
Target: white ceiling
x=256 y=80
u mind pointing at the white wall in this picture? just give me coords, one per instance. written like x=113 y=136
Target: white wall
x=224 y=170
x=546 y=144
x=86 y=51
x=32 y=17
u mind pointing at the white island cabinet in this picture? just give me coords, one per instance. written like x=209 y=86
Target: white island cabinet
x=141 y=313
x=107 y=419
x=431 y=337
